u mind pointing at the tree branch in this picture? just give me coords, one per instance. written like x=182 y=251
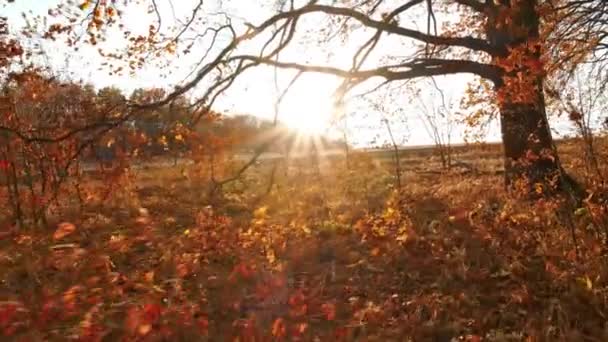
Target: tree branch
x=416 y=68
x=387 y=26
x=473 y=4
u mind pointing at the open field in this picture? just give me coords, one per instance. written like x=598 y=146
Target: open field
x=326 y=254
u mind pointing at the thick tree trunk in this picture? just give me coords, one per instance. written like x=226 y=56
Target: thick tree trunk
x=531 y=162
x=530 y=158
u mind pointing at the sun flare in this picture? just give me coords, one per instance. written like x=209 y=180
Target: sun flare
x=310 y=112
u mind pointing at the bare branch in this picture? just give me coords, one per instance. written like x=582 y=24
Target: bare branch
x=416 y=68
x=387 y=26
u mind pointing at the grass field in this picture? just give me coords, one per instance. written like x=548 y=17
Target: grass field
x=329 y=253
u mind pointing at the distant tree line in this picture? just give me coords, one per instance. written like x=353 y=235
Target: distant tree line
x=172 y=129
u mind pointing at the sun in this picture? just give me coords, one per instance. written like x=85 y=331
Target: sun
x=306 y=118
x=308 y=110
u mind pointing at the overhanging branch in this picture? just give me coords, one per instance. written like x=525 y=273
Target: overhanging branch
x=387 y=26
x=414 y=69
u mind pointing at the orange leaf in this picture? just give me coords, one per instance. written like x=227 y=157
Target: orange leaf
x=64 y=229
x=144 y=329
x=329 y=310
x=278 y=328
x=473 y=338
x=149 y=276
x=182 y=270
x=299 y=329
x=133 y=320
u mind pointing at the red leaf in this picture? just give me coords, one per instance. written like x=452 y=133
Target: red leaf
x=152 y=313
x=329 y=310
x=4 y=164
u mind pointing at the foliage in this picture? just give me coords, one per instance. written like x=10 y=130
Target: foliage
x=149 y=216
x=450 y=256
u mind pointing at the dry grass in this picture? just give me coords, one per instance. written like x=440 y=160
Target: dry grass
x=340 y=255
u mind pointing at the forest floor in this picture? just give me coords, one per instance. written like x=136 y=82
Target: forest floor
x=337 y=255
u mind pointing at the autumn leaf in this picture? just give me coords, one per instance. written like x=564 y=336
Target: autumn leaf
x=242 y=270
x=297 y=304
x=4 y=164
x=182 y=270
x=151 y=313
x=144 y=329
x=271 y=256
x=83 y=6
x=581 y=212
x=64 y=229
x=473 y=338
x=140 y=320
x=329 y=310
x=278 y=328
x=70 y=297
x=260 y=212
x=587 y=282
x=203 y=325
x=299 y=329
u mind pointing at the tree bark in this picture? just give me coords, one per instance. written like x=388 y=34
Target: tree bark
x=530 y=157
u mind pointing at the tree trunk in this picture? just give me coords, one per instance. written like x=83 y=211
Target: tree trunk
x=530 y=157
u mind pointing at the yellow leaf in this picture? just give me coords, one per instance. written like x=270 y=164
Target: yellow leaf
x=83 y=6
x=581 y=212
x=179 y=137
x=270 y=256
x=587 y=282
x=402 y=237
x=260 y=212
x=64 y=229
x=306 y=229
x=163 y=140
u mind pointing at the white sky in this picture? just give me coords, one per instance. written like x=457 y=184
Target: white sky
x=255 y=92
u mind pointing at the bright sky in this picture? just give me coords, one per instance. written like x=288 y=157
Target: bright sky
x=309 y=105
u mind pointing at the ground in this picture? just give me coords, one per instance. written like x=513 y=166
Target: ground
x=329 y=253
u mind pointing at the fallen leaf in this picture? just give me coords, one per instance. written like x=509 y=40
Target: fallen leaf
x=299 y=329
x=64 y=229
x=151 y=313
x=329 y=310
x=144 y=329
x=182 y=270
x=260 y=213
x=149 y=276
x=278 y=328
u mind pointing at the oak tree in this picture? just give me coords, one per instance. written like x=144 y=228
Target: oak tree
x=511 y=43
